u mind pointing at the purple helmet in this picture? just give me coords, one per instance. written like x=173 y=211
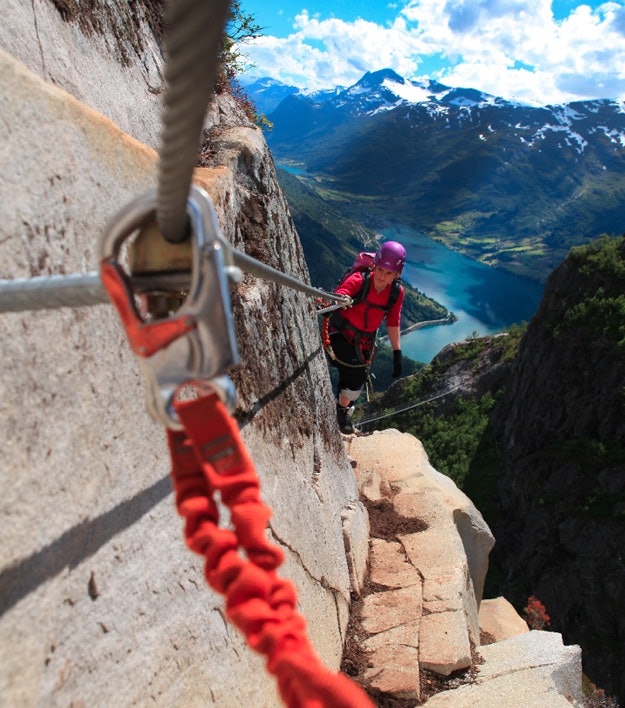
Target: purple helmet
x=391 y=256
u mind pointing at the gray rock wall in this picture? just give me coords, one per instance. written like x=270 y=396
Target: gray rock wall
x=103 y=53
x=101 y=603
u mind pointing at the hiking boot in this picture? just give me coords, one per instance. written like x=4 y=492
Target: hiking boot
x=344 y=420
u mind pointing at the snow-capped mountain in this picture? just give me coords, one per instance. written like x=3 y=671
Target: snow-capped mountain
x=268 y=93
x=515 y=184
x=386 y=91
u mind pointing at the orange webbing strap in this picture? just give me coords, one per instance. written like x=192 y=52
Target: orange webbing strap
x=325 y=336
x=210 y=456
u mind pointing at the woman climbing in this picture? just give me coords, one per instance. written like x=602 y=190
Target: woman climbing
x=376 y=293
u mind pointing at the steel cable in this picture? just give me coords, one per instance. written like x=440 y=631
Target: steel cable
x=194 y=36
x=403 y=409
x=80 y=289
x=51 y=292
x=260 y=270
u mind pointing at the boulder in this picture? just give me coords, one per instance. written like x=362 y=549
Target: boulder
x=499 y=620
x=448 y=552
x=532 y=670
x=419 y=609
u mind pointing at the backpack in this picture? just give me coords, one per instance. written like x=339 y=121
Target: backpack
x=363 y=263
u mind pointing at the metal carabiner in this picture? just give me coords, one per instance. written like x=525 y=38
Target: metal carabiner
x=198 y=341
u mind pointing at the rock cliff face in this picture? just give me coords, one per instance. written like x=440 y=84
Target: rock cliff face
x=99 y=596
x=107 y=55
x=561 y=429
x=100 y=602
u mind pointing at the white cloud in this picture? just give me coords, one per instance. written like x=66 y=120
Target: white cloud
x=325 y=53
x=510 y=48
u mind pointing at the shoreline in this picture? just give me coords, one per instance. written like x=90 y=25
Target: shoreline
x=449 y=318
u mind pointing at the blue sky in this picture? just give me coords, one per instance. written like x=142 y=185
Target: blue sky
x=534 y=51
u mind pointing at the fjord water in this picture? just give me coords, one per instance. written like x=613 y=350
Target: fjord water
x=485 y=300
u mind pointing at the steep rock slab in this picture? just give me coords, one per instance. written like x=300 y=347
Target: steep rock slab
x=356 y=540
x=450 y=555
x=100 y=599
x=394 y=660
x=382 y=611
x=389 y=567
x=106 y=54
x=445 y=642
x=533 y=669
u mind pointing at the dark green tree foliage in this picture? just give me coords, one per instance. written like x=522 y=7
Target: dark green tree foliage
x=241 y=27
x=452 y=441
x=600 y=314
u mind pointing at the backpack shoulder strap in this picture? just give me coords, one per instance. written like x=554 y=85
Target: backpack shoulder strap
x=394 y=296
x=361 y=295
x=364 y=291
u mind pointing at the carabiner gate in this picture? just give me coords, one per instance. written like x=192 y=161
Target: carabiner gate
x=198 y=341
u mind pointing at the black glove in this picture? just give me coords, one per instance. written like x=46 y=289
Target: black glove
x=397 y=363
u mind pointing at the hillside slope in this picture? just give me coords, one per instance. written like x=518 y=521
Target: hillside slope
x=511 y=185
x=561 y=433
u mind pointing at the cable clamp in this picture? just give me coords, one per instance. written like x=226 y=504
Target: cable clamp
x=178 y=345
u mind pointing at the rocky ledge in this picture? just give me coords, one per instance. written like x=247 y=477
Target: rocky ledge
x=420 y=633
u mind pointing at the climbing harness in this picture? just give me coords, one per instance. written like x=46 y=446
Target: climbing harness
x=362 y=264
x=327 y=346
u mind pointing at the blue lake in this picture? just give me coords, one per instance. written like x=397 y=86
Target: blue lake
x=485 y=300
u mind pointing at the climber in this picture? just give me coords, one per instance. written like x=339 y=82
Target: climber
x=376 y=293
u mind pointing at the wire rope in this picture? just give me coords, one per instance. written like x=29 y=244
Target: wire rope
x=398 y=411
x=194 y=39
x=78 y=289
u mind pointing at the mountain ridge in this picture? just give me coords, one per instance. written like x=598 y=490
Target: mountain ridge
x=512 y=185
x=391 y=81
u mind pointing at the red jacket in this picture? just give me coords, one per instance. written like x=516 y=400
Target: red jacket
x=363 y=317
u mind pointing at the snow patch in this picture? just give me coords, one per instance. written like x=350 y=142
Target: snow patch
x=413 y=93
x=570 y=136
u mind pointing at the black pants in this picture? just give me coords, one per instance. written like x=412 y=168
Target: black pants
x=354 y=375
